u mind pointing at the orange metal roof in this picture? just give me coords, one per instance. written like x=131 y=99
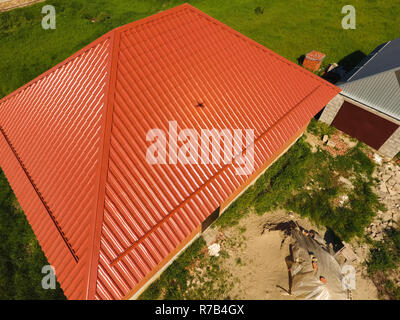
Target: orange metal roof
x=73 y=141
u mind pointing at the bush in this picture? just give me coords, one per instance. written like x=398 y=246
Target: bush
x=320 y=129
x=381 y=258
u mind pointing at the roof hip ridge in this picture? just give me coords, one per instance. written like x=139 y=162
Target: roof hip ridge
x=97 y=219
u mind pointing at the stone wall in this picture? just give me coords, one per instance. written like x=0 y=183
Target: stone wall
x=392 y=145
x=331 y=109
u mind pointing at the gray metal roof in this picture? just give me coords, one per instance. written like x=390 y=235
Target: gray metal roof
x=375 y=82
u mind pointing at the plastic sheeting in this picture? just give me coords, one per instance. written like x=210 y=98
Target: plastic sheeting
x=305 y=279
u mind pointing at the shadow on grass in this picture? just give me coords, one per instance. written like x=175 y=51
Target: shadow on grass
x=352 y=60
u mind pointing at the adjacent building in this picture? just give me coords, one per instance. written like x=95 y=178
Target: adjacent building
x=368 y=108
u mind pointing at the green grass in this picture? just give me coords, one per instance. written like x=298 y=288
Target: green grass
x=320 y=129
x=290 y=28
x=193 y=275
x=283 y=186
x=173 y=283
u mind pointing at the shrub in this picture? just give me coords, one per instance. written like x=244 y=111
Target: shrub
x=320 y=129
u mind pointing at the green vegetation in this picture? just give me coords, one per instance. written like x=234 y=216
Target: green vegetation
x=290 y=28
x=320 y=129
x=383 y=264
x=175 y=280
x=307 y=183
x=21 y=258
x=180 y=281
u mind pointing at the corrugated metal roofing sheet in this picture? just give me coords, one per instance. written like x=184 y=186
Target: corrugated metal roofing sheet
x=380 y=92
x=54 y=126
x=120 y=215
x=374 y=82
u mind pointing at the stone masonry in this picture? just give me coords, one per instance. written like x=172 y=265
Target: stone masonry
x=392 y=145
x=331 y=109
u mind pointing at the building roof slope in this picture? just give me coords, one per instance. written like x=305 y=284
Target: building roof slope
x=73 y=143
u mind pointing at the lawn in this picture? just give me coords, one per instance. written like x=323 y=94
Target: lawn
x=291 y=28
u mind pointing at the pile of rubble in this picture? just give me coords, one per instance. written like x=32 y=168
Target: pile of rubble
x=337 y=143
x=388 y=190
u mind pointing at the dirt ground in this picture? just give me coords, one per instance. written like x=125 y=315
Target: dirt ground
x=257 y=266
